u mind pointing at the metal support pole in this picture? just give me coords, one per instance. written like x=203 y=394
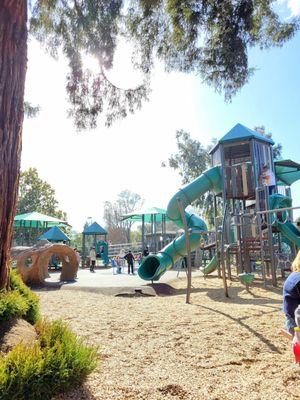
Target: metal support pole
x=83 y=255
x=143 y=232
x=155 y=235
x=223 y=251
x=270 y=240
x=188 y=251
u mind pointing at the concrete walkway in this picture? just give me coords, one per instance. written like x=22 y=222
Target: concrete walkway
x=103 y=280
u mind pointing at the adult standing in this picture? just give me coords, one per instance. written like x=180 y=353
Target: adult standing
x=146 y=251
x=129 y=257
x=92 y=259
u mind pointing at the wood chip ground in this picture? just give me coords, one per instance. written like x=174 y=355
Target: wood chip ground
x=161 y=348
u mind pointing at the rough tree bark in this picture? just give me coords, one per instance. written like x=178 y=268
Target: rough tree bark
x=13 y=61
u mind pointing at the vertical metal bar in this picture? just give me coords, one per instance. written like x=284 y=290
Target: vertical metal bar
x=188 y=251
x=143 y=232
x=155 y=235
x=270 y=239
x=83 y=254
x=216 y=229
x=223 y=251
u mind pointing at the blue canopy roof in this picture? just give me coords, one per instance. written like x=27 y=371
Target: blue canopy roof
x=94 y=229
x=54 y=235
x=240 y=132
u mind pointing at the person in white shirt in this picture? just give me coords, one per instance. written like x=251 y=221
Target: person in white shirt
x=92 y=259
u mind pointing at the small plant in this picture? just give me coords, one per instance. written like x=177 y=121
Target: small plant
x=19 y=302
x=58 y=362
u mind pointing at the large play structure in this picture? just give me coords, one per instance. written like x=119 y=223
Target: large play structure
x=256 y=224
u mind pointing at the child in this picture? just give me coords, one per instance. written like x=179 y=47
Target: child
x=291 y=295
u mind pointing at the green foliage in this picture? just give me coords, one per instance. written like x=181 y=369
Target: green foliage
x=12 y=304
x=191 y=160
x=277 y=148
x=19 y=302
x=32 y=313
x=58 y=362
x=209 y=37
x=30 y=111
x=36 y=195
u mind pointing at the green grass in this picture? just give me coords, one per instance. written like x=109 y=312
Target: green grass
x=58 y=362
x=19 y=302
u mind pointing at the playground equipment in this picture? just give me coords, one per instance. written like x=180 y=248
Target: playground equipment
x=55 y=235
x=256 y=218
x=102 y=250
x=153 y=216
x=93 y=231
x=28 y=227
x=32 y=262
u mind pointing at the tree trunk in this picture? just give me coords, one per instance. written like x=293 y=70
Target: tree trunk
x=13 y=60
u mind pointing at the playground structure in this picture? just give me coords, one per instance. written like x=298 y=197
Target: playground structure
x=155 y=238
x=257 y=215
x=101 y=246
x=32 y=262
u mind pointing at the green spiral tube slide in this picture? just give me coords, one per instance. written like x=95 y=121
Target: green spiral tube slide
x=154 y=266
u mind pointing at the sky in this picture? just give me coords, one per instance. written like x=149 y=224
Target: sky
x=88 y=168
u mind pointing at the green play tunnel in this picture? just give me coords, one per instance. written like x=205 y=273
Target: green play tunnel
x=154 y=266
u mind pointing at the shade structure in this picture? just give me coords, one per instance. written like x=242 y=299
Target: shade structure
x=240 y=132
x=148 y=213
x=54 y=235
x=94 y=229
x=287 y=172
x=37 y=220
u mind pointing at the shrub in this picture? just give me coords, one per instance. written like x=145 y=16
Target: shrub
x=19 y=302
x=12 y=304
x=33 y=311
x=58 y=362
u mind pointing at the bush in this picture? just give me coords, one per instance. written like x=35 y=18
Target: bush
x=16 y=284
x=58 y=362
x=20 y=302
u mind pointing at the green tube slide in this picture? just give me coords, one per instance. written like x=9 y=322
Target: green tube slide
x=289 y=230
x=154 y=266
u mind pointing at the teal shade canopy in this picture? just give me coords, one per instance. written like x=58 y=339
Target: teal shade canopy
x=94 y=229
x=148 y=213
x=37 y=220
x=240 y=132
x=54 y=235
x=287 y=172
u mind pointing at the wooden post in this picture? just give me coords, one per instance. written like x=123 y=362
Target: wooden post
x=188 y=251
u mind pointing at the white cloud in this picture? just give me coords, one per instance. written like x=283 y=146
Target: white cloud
x=292 y=5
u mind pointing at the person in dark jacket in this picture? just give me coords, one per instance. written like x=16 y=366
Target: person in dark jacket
x=146 y=251
x=291 y=295
x=129 y=257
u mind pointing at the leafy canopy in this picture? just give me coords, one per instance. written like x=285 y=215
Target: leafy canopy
x=207 y=37
x=37 y=195
x=191 y=160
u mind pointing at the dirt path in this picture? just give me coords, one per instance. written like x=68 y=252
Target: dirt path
x=161 y=348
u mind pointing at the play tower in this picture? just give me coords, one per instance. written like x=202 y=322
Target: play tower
x=253 y=192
